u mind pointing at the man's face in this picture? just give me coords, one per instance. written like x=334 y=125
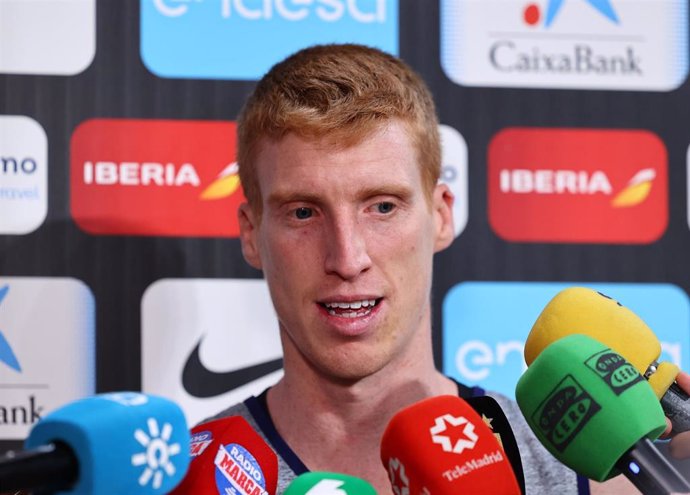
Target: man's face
x=345 y=240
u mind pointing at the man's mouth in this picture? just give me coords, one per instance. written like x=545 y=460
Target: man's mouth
x=351 y=309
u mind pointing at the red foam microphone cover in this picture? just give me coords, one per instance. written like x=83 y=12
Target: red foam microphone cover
x=441 y=446
x=229 y=456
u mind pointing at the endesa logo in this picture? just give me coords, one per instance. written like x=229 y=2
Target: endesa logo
x=155 y=177
x=242 y=39
x=580 y=44
x=578 y=185
x=485 y=325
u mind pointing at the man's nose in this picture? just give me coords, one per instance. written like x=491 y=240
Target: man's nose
x=346 y=249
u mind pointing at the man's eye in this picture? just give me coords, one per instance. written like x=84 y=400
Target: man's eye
x=385 y=207
x=303 y=213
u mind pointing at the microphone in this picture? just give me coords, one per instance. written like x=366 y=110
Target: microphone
x=588 y=312
x=123 y=442
x=322 y=483
x=596 y=414
x=442 y=446
x=494 y=417
x=229 y=456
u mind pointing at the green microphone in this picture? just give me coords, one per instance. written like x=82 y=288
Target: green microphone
x=323 y=483
x=596 y=414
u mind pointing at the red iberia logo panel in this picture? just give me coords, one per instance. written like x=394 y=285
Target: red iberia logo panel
x=155 y=177
x=578 y=185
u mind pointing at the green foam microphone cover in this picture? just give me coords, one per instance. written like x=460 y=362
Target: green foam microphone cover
x=324 y=483
x=588 y=405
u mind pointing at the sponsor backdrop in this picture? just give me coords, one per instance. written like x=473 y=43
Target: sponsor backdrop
x=565 y=139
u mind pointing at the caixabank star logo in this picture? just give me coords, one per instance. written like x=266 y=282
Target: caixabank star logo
x=579 y=44
x=578 y=185
x=155 y=177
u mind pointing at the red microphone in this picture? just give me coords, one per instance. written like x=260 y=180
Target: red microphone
x=228 y=456
x=441 y=446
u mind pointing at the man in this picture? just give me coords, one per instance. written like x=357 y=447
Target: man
x=339 y=158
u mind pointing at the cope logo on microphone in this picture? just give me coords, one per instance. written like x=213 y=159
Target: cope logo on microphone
x=155 y=177
x=597 y=44
x=242 y=39
x=238 y=472
x=578 y=185
x=618 y=374
x=199 y=442
x=564 y=412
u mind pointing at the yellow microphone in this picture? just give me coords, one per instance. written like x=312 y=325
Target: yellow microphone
x=578 y=310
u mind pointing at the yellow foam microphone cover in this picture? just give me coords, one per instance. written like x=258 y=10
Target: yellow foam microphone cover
x=663 y=377
x=578 y=310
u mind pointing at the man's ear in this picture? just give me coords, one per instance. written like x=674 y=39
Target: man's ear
x=249 y=234
x=443 y=216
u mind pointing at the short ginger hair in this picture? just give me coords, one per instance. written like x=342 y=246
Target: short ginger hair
x=342 y=92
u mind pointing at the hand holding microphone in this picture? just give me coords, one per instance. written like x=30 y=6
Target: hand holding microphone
x=679 y=446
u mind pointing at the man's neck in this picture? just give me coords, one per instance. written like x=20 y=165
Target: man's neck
x=336 y=426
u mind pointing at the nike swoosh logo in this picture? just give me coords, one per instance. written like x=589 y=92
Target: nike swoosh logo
x=201 y=382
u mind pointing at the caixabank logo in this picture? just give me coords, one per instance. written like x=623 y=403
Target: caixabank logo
x=579 y=44
x=242 y=39
x=577 y=185
x=208 y=343
x=155 y=177
x=46 y=349
x=485 y=325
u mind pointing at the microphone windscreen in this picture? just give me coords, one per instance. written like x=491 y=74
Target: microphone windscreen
x=586 y=311
x=315 y=483
x=588 y=405
x=124 y=442
x=494 y=417
x=229 y=456
x=443 y=446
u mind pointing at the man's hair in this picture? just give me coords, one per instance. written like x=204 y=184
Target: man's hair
x=342 y=93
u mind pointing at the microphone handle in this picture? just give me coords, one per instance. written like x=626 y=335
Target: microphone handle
x=650 y=471
x=676 y=405
x=49 y=467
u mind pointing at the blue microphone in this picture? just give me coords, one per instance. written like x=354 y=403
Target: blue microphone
x=114 y=443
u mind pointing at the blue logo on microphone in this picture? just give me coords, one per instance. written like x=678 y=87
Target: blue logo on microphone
x=6 y=354
x=238 y=472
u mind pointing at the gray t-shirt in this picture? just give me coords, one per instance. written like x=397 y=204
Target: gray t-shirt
x=543 y=473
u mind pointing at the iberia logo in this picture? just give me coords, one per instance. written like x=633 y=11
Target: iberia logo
x=155 y=177
x=578 y=185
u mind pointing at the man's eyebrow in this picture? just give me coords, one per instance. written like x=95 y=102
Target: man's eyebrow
x=284 y=197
